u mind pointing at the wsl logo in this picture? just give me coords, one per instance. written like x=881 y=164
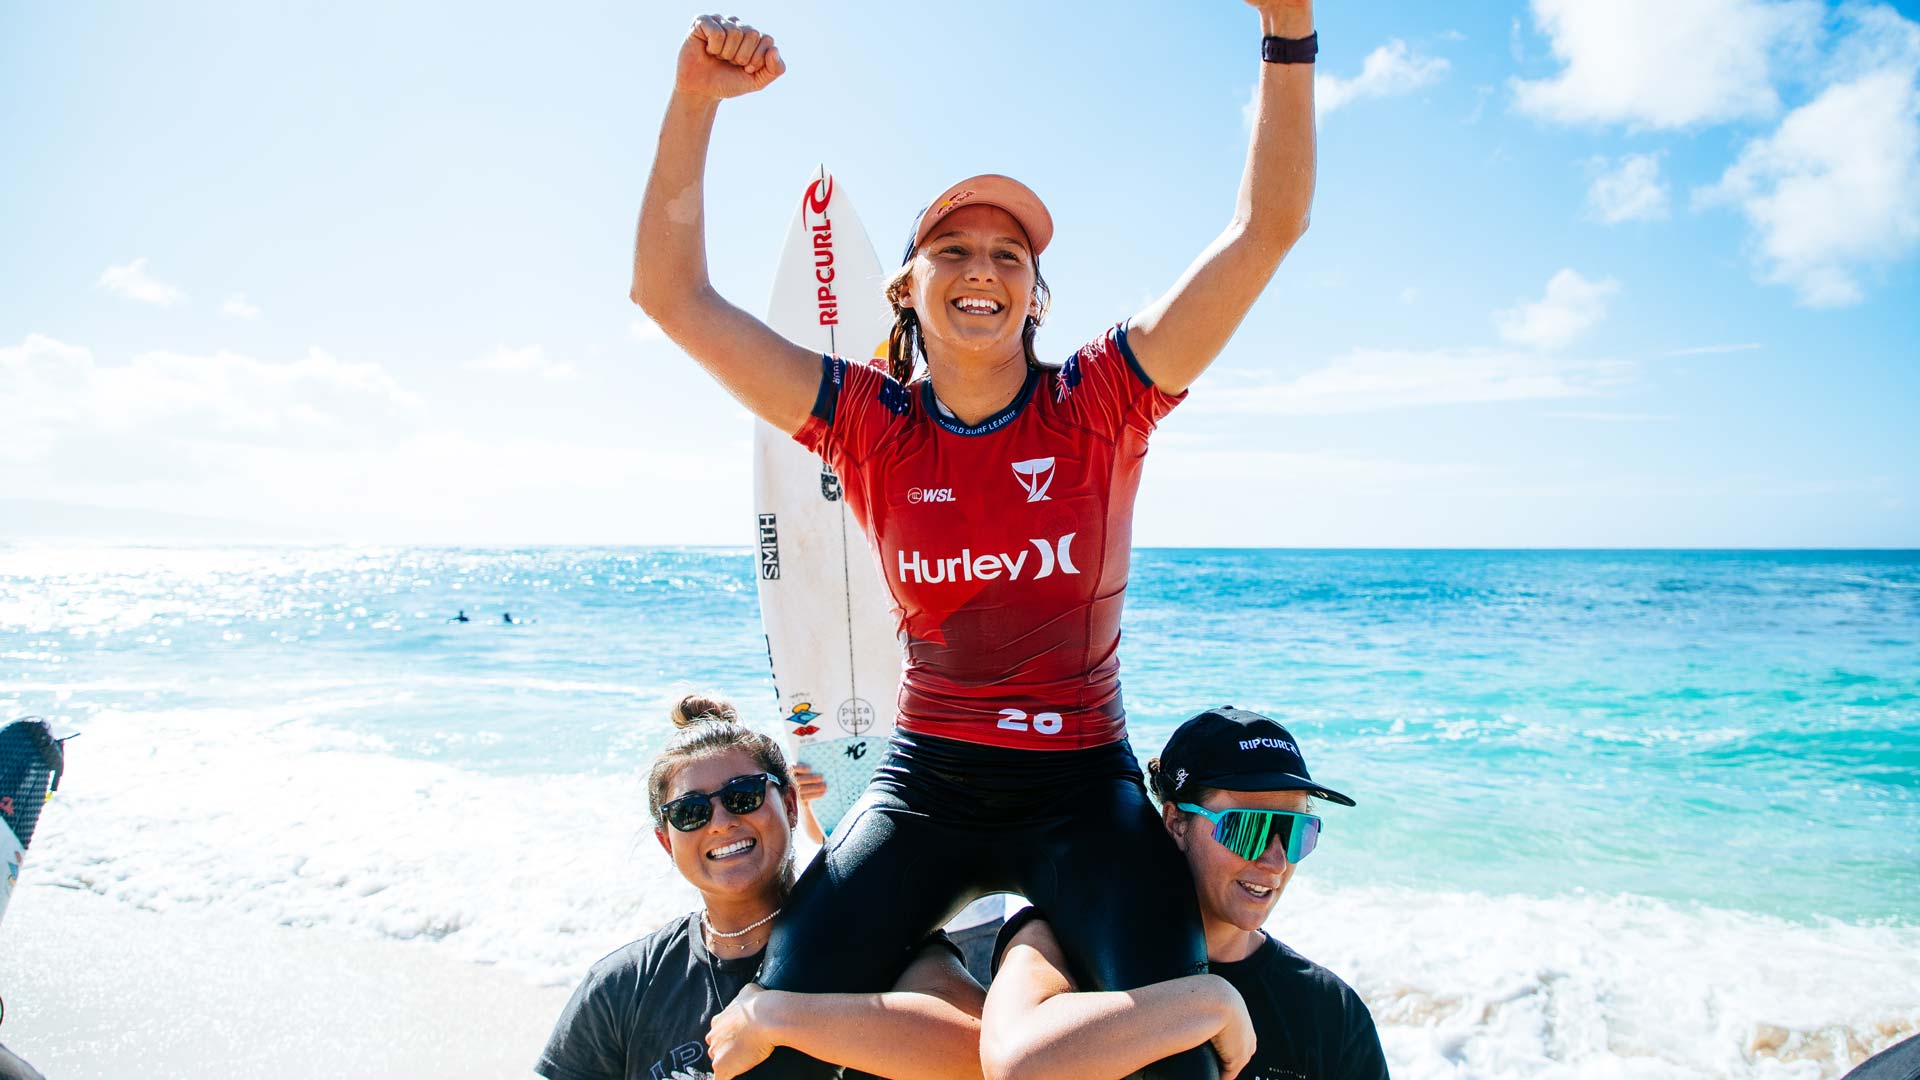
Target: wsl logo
x=966 y=566
x=1036 y=475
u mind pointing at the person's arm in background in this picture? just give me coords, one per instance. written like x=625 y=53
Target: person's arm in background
x=809 y=785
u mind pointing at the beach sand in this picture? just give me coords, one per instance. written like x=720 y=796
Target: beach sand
x=95 y=988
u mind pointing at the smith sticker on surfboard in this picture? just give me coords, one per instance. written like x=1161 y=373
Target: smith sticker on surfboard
x=830 y=631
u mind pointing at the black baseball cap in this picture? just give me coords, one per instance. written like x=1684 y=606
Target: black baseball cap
x=1237 y=750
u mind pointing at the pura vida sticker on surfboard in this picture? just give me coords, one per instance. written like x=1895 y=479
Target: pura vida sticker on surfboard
x=829 y=624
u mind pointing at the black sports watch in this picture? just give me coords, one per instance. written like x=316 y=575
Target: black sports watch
x=1280 y=50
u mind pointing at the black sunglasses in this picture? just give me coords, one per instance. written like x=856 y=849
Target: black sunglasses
x=741 y=795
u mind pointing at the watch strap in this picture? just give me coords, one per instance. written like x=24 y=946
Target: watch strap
x=1279 y=50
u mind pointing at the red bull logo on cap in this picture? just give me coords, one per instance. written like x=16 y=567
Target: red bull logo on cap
x=954 y=200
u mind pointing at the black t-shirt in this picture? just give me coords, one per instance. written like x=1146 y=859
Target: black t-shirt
x=643 y=1011
x=1307 y=1023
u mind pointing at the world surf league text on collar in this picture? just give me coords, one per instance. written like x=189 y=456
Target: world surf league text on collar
x=819 y=195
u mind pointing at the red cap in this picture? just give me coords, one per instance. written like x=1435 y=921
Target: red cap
x=989 y=189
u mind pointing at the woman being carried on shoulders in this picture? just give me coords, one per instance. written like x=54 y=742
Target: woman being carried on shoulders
x=1009 y=769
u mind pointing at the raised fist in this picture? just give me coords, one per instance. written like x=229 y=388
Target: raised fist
x=724 y=57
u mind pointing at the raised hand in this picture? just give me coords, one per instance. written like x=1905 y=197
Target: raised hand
x=807 y=783
x=724 y=57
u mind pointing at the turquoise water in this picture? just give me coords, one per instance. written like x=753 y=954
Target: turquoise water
x=1740 y=729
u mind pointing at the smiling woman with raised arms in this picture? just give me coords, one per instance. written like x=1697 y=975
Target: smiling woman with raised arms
x=1009 y=769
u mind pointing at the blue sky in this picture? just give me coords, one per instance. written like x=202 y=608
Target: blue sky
x=1643 y=273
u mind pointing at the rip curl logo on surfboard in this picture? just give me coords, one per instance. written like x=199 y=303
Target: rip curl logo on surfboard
x=804 y=716
x=820 y=195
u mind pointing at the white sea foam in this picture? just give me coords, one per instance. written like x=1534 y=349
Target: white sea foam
x=1466 y=985
x=264 y=813
x=267 y=814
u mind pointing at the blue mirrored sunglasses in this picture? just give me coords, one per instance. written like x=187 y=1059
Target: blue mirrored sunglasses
x=1247 y=833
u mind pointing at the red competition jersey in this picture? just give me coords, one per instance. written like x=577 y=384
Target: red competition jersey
x=1004 y=544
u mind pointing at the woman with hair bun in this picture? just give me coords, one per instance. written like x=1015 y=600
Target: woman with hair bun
x=681 y=1002
x=1009 y=769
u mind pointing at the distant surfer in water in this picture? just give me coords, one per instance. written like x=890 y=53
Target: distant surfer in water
x=1243 y=817
x=461 y=617
x=1009 y=769
x=678 y=1003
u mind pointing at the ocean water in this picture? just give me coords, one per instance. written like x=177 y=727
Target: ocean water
x=1620 y=813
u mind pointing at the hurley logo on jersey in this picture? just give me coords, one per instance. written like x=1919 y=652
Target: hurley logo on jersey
x=966 y=566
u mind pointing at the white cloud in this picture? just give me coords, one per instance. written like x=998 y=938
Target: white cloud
x=1630 y=191
x=1391 y=69
x=58 y=393
x=527 y=360
x=238 y=307
x=1666 y=63
x=1712 y=350
x=1572 y=306
x=132 y=282
x=1836 y=188
x=644 y=330
x=327 y=446
x=1278 y=470
x=1373 y=380
x=1604 y=417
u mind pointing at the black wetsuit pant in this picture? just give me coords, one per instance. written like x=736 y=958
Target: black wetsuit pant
x=945 y=822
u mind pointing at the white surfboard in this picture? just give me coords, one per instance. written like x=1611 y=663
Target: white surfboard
x=31 y=763
x=829 y=624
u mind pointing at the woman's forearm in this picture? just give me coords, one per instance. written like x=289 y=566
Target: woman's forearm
x=1276 y=189
x=1178 y=336
x=670 y=251
x=902 y=1034
x=1109 y=1034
